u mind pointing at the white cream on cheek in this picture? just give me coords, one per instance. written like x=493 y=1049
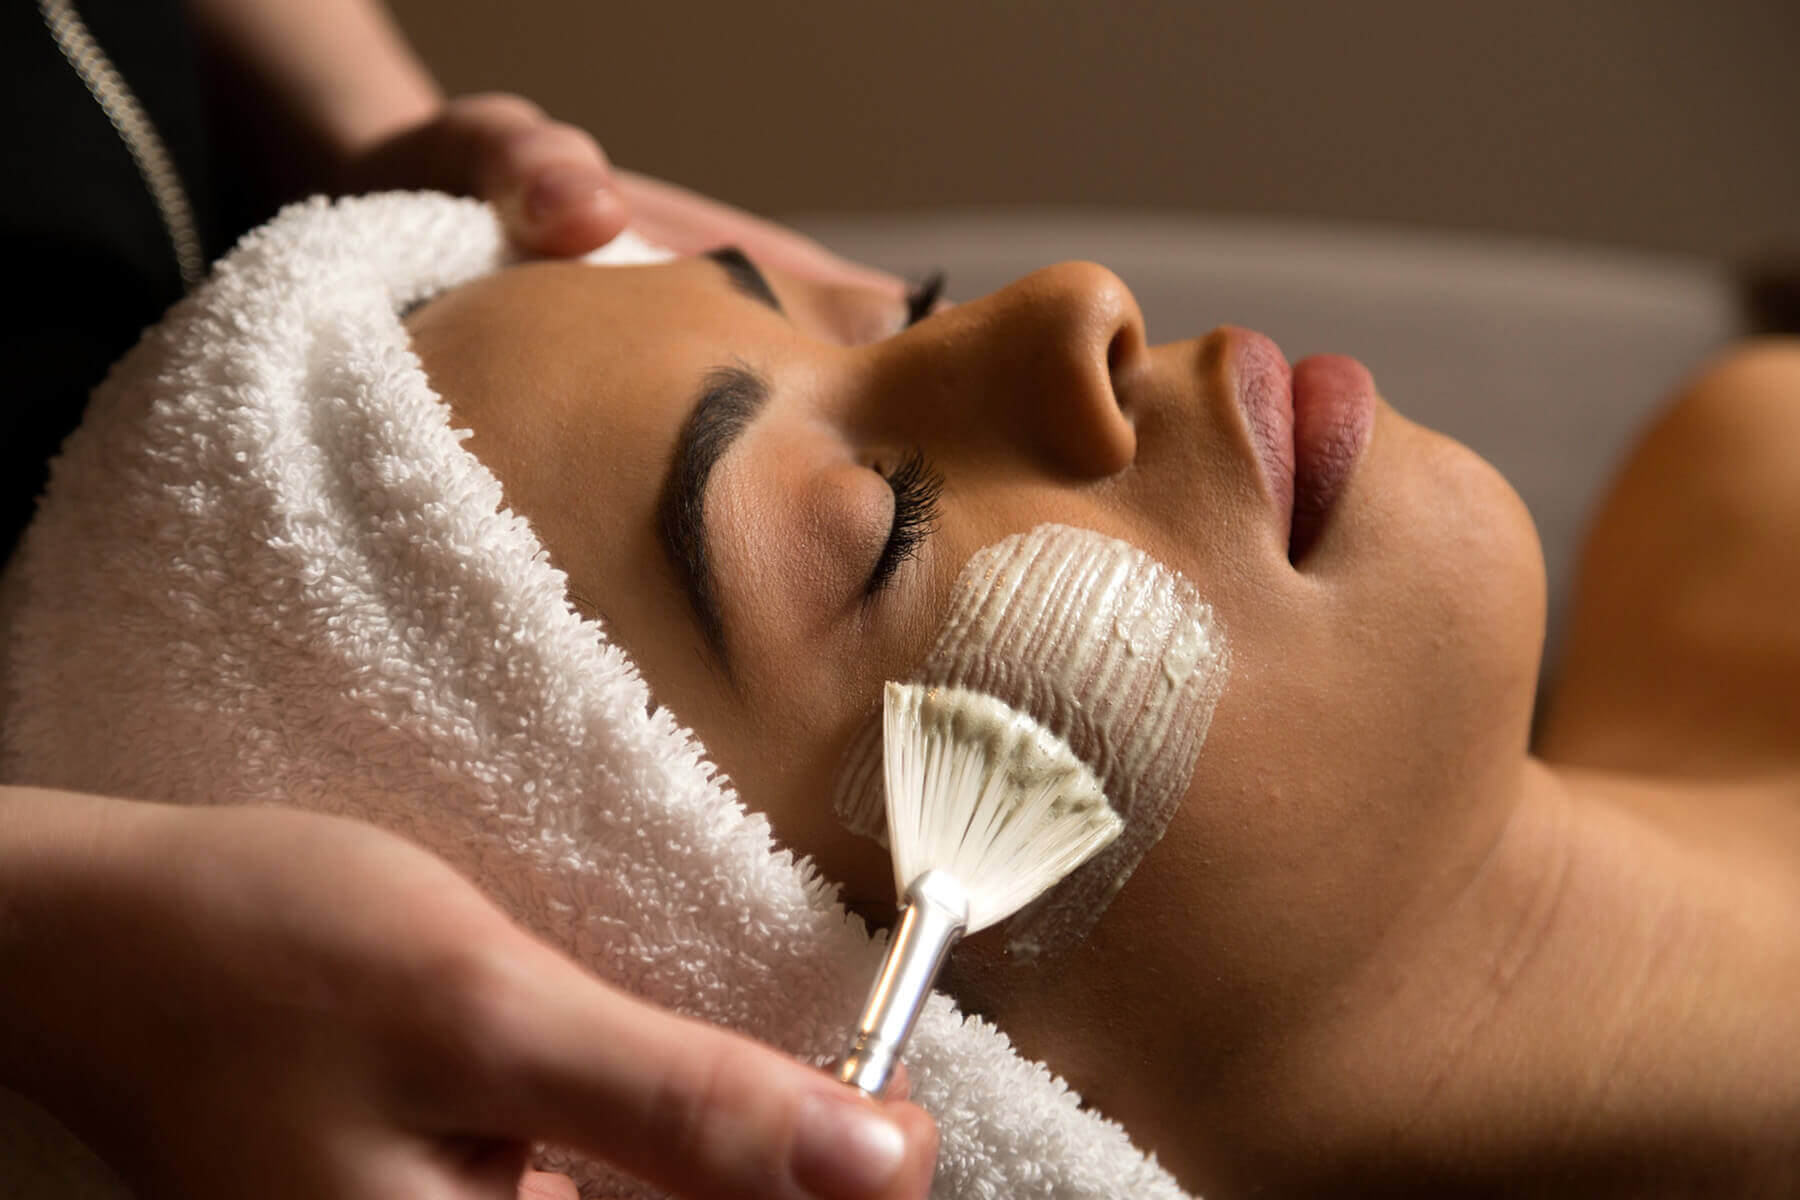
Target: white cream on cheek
x=1105 y=646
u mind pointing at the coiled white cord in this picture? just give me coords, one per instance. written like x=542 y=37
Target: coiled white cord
x=135 y=129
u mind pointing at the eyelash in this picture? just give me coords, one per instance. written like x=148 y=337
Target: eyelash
x=915 y=485
x=916 y=489
x=922 y=299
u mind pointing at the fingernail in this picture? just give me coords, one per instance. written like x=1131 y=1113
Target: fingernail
x=844 y=1149
x=559 y=191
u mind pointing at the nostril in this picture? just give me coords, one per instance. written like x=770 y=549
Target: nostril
x=1121 y=352
x=1116 y=350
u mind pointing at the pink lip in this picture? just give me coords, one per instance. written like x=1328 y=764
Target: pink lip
x=1309 y=422
x=1265 y=392
x=1334 y=410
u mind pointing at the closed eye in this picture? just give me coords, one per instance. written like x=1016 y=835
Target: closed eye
x=916 y=489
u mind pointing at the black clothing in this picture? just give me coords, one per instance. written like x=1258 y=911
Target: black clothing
x=88 y=258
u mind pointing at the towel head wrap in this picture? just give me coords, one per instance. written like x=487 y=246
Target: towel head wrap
x=267 y=571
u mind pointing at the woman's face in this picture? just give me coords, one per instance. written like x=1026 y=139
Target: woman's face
x=707 y=452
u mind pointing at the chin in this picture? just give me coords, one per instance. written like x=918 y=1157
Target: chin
x=1476 y=590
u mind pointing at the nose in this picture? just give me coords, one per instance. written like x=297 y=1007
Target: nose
x=1034 y=368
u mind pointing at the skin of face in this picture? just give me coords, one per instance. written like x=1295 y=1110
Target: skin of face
x=1365 y=759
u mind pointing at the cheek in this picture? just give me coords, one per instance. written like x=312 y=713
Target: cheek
x=783 y=761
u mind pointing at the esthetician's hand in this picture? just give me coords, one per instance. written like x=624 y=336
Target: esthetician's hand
x=259 y=1001
x=558 y=195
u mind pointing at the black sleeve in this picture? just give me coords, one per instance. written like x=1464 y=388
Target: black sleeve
x=85 y=251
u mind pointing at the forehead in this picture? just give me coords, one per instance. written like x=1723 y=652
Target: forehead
x=562 y=328
x=575 y=382
x=574 y=379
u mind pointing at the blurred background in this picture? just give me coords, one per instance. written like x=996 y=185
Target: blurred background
x=1658 y=124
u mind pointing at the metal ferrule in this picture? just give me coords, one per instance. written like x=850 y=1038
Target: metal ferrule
x=936 y=913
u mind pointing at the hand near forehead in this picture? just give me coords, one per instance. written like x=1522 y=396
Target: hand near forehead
x=557 y=194
x=259 y=1001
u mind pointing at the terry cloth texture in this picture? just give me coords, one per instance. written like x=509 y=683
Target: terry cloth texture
x=267 y=571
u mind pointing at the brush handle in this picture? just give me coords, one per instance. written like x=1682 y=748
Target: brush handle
x=936 y=913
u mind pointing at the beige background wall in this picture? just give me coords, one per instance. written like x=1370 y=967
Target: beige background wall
x=1671 y=124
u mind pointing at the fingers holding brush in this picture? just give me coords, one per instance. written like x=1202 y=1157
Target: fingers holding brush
x=704 y=1112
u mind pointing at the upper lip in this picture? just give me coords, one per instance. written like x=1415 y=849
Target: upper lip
x=1264 y=385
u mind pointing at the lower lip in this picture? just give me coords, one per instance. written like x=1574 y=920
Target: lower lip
x=1334 y=410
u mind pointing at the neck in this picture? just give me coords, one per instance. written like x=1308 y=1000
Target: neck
x=1603 y=999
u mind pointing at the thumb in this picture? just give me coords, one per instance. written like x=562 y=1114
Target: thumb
x=549 y=182
x=704 y=1112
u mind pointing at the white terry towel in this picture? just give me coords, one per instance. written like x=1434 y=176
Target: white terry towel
x=266 y=570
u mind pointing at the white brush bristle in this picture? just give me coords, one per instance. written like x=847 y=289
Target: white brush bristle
x=981 y=790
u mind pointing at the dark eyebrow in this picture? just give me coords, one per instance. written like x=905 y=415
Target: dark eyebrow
x=746 y=276
x=730 y=398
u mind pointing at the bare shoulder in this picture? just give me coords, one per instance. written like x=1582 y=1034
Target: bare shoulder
x=1745 y=403
x=1716 y=479
x=1755 y=362
x=1684 y=650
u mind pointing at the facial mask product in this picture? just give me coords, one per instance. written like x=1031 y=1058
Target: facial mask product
x=1112 y=651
